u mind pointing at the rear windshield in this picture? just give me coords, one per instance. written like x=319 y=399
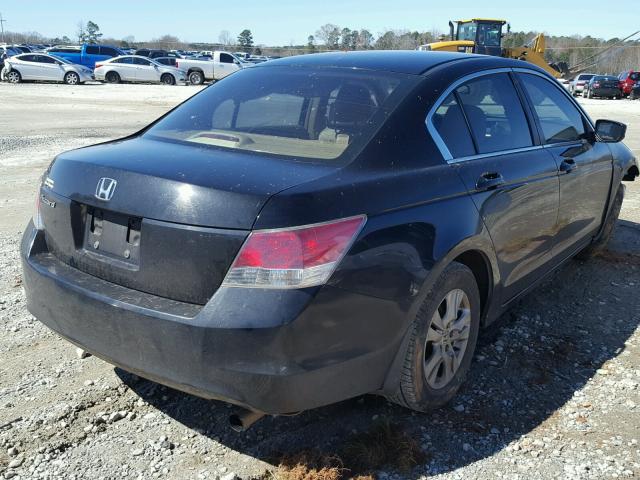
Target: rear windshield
x=635 y=76
x=605 y=78
x=585 y=77
x=304 y=113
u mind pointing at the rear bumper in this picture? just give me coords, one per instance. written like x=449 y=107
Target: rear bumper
x=271 y=351
x=606 y=92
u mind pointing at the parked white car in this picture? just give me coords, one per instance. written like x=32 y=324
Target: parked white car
x=220 y=65
x=135 y=68
x=43 y=67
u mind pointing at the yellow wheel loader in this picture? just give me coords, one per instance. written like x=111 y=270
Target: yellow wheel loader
x=484 y=36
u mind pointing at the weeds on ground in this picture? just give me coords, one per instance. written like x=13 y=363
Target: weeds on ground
x=385 y=445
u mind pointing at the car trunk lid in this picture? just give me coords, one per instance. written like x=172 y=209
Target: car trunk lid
x=170 y=217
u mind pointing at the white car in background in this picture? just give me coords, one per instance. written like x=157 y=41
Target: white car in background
x=135 y=68
x=45 y=68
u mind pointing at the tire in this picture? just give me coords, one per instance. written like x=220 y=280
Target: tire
x=196 y=78
x=168 y=79
x=589 y=94
x=112 y=77
x=72 y=78
x=13 y=76
x=600 y=244
x=426 y=382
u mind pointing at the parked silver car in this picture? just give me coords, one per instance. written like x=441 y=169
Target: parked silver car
x=135 y=68
x=578 y=83
x=46 y=68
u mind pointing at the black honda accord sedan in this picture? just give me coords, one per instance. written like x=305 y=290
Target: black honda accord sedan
x=324 y=226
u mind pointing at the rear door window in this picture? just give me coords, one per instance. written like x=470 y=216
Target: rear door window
x=44 y=59
x=452 y=128
x=495 y=114
x=559 y=118
x=141 y=61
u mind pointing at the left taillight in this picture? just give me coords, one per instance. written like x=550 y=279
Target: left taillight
x=296 y=257
x=98 y=65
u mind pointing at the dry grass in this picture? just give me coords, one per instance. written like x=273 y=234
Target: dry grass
x=385 y=445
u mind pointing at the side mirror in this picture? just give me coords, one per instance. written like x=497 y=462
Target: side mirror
x=610 y=131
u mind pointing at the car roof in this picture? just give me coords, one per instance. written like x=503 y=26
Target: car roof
x=414 y=62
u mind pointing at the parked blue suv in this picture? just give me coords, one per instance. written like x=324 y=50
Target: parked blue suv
x=87 y=54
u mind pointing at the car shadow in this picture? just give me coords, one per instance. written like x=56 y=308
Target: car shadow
x=527 y=366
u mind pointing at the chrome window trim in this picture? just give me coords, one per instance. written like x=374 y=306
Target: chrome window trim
x=444 y=150
x=497 y=153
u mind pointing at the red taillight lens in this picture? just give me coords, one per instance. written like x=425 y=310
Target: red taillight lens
x=293 y=258
x=98 y=65
x=596 y=84
x=177 y=64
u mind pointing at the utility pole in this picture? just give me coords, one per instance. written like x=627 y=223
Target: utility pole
x=2 y=22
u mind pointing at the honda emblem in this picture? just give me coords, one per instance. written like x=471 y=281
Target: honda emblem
x=105 y=189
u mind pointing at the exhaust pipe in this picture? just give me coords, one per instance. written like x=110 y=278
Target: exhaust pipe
x=241 y=420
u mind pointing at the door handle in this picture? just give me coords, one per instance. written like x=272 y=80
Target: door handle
x=489 y=181
x=568 y=165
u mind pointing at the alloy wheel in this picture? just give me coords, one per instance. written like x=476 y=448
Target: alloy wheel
x=13 y=77
x=72 y=78
x=447 y=339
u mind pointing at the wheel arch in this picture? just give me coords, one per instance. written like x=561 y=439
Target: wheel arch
x=478 y=255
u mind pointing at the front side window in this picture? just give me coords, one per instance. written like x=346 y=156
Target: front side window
x=295 y=112
x=494 y=113
x=452 y=128
x=111 y=52
x=226 y=58
x=489 y=34
x=560 y=119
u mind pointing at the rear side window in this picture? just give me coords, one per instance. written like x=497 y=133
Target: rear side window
x=92 y=50
x=127 y=60
x=452 y=128
x=560 y=120
x=141 y=61
x=28 y=58
x=495 y=113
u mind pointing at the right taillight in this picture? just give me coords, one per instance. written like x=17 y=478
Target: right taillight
x=37 y=216
x=296 y=257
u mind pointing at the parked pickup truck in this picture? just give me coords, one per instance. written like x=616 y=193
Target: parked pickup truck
x=86 y=54
x=221 y=65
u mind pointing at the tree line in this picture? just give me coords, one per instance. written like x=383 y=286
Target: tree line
x=572 y=50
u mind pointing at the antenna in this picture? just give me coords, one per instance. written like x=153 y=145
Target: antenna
x=2 y=22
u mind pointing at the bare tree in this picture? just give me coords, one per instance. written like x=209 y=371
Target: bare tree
x=225 y=38
x=329 y=34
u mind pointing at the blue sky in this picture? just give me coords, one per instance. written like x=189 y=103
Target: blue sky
x=285 y=21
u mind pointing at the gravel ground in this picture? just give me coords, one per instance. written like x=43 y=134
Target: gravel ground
x=554 y=391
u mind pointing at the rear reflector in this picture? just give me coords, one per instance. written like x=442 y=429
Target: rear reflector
x=296 y=257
